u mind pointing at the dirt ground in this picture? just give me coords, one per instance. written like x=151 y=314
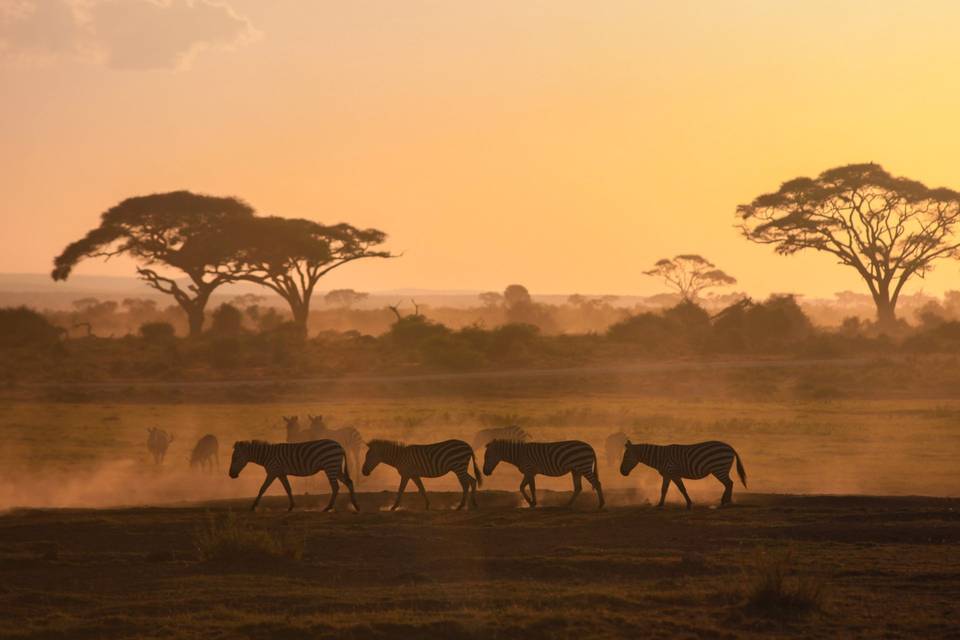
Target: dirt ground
x=881 y=566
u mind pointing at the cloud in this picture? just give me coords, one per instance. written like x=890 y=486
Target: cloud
x=122 y=34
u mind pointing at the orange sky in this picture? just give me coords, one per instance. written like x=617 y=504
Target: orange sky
x=565 y=145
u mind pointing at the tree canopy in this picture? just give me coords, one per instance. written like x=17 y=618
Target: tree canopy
x=889 y=229
x=690 y=274
x=291 y=255
x=180 y=230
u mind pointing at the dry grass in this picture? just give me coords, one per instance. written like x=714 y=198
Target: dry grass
x=228 y=538
x=778 y=588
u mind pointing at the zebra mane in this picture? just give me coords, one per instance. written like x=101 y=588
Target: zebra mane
x=380 y=443
x=247 y=443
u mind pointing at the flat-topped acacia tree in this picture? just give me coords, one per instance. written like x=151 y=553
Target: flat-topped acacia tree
x=180 y=230
x=690 y=274
x=888 y=229
x=291 y=255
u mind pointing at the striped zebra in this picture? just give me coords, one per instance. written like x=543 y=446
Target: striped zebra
x=348 y=437
x=693 y=461
x=416 y=461
x=486 y=436
x=294 y=459
x=547 y=458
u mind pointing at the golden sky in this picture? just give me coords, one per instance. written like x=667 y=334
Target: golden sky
x=562 y=144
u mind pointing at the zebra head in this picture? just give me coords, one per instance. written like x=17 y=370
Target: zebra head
x=241 y=456
x=492 y=456
x=631 y=457
x=292 y=423
x=378 y=451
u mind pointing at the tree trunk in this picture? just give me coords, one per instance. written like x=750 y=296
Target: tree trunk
x=195 y=319
x=886 y=310
x=301 y=313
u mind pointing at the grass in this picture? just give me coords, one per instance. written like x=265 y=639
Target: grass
x=778 y=589
x=229 y=539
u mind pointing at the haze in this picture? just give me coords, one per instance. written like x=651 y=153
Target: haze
x=564 y=145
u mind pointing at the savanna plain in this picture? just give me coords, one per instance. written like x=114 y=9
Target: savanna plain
x=832 y=537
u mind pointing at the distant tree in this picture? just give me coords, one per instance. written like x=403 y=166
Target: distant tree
x=291 y=255
x=515 y=295
x=227 y=321
x=344 y=298
x=491 y=299
x=690 y=274
x=178 y=230
x=888 y=229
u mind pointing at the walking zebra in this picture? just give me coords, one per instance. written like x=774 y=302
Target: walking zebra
x=294 y=459
x=348 y=437
x=486 y=436
x=693 y=461
x=548 y=458
x=206 y=452
x=416 y=461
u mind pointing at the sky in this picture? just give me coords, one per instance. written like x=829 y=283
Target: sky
x=564 y=145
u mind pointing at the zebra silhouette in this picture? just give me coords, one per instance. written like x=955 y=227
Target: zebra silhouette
x=693 y=461
x=348 y=437
x=548 y=458
x=417 y=461
x=485 y=436
x=294 y=459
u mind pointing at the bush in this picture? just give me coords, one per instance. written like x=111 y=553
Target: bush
x=227 y=539
x=227 y=321
x=157 y=332
x=20 y=326
x=772 y=591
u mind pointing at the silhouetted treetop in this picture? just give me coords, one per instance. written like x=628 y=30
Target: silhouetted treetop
x=180 y=229
x=290 y=255
x=690 y=274
x=887 y=228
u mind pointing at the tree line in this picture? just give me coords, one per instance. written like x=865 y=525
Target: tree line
x=890 y=230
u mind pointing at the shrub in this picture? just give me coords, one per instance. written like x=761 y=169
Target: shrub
x=227 y=539
x=227 y=321
x=773 y=592
x=157 y=332
x=21 y=326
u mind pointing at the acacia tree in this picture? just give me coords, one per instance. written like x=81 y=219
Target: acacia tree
x=181 y=230
x=888 y=229
x=344 y=298
x=690 y=274
x=291 y=255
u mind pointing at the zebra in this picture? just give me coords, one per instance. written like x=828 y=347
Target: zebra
x=549 y=458
x=485 y=436
x=206 y=452
x=157 y=443
x=613 y=446
x=416 y=461
x=693 y=461
x=348 y=437
x=294 y=459
x=294 y=432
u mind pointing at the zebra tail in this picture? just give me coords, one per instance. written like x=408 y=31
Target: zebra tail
x=346 y=472
x=740 y=471
x=476 y=470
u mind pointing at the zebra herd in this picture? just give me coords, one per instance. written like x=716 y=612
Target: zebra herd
x=306 y=457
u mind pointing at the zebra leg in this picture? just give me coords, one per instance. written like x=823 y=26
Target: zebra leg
x=473 y=492
x=524 y=483
x=345 y=479
x=595 y=481
x=577 y=488
x=727 y=488
x=403 y=486
x=417 y=481
x=334 y=490
x=679 y=482
x=533 y=490
x=465 y=485
x=663 y=491
x=286 y=485
x=266 y=483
